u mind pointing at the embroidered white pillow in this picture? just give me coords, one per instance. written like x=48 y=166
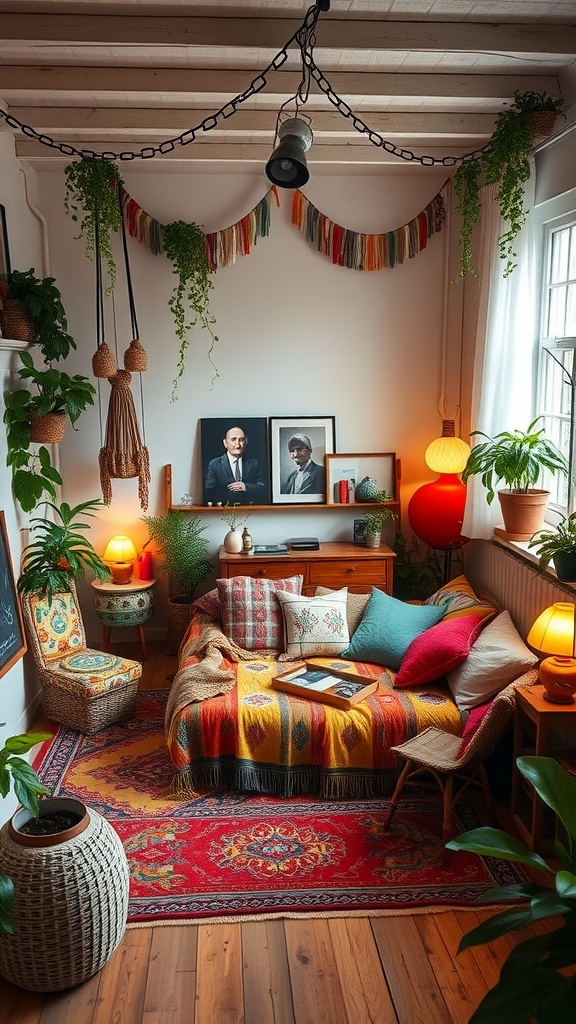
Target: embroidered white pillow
x=496 y=659
x=314 y=625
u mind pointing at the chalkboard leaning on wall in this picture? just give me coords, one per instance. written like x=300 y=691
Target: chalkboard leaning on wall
x=12 y=640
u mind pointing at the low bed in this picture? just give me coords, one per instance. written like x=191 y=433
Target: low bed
x=227 y=727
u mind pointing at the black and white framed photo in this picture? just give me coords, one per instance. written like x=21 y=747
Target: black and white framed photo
x=5 y=267
x=298 y=447
x=12 y=641
x=235 y=463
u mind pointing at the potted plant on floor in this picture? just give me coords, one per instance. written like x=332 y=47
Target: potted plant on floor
x=60 y=551
x=38 y=417
x=63 y=882
x=535 y=985
x=33 y=311
x=504 y=163
x=558 y=546
x=517 y=458
x=178 y=537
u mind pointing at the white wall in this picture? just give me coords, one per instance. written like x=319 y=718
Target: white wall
x=297 y=336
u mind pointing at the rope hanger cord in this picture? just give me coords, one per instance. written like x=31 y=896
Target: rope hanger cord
x=131 y=303
x=305 y=37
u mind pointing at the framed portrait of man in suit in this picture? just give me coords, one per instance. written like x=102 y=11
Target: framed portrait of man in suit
x=298 y=446
x=235 y=463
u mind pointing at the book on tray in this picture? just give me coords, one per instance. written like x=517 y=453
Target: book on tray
x=340 y=688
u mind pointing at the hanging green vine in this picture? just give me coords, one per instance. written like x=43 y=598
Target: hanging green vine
x=467 y=190
x=185 y=246
x=92 y=187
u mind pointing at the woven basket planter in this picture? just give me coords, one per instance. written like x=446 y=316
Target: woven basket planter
x=103 y=361
x=179 y=615
x=48 y=429
x=71 y=901
x=16 y=321
x=542 y=124
x=135 y=357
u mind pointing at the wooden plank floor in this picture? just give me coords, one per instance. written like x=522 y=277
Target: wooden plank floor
x=354 y=970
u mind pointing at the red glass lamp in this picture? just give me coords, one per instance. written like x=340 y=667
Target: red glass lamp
x=436 y=510
x=553 y=633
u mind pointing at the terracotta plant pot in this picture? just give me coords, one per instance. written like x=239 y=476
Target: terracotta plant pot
x=523 y=512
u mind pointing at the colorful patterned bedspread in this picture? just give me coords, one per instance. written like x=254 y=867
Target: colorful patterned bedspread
x=258 y=739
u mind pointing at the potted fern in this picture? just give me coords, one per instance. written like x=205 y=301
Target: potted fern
x=517 y=458
x=558 y=546
x=375 y=519
x=504 y=163
x=178 y=537
x=534 y=986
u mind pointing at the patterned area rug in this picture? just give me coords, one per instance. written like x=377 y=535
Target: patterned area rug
x=229 y=854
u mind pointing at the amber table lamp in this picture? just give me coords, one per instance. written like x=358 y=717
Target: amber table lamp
x=119 y=557
x=553 y=633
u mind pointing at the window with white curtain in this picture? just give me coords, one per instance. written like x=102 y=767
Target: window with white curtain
x=557 y=362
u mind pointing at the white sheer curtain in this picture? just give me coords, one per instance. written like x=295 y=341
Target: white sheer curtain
x=502 y=393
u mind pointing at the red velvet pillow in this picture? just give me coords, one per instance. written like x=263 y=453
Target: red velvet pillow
x=438 y=650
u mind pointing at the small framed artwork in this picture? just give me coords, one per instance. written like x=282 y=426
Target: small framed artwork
x=5 y=267
x=346 y=473
x=235 y=464
x=12 y=641
x=360 y=532
x=298 y=448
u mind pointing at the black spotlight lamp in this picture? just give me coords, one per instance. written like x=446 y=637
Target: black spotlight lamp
x=287 y=165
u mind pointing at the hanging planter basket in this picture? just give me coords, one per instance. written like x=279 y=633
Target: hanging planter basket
x=47 y=429
x=135 y=357
x=541 y=124
x=103 y=361
x=16 y=321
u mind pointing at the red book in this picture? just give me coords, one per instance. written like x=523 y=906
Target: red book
x=343 y=491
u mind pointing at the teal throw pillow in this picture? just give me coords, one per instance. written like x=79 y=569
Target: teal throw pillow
x=387 y=629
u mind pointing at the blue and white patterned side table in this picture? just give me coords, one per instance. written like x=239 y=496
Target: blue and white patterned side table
x=123 y=604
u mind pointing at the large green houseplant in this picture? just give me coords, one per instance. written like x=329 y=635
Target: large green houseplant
x=179 y=538
x=42 y=303
x=517 y=458
x=56 y=394
x=533 y=988
x=27 y=788
x=558 y=546
x=59 y=551
x=503 y=163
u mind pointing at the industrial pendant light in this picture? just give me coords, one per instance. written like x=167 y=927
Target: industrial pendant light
x=287 y=165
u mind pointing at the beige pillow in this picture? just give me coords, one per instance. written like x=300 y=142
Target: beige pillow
x=355 y=606
x=496 y=659
x=314 y=626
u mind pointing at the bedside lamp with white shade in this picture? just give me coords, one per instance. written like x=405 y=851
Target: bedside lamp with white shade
x=553 y=633
x=119 y=556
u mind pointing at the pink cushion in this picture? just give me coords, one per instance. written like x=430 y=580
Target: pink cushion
x=473 y=723
x=209 y=603
x=251 y=612
x=438 y=650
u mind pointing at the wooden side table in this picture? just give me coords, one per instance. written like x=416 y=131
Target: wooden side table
x=334 y=565
x=544 y=729
x=123 y=604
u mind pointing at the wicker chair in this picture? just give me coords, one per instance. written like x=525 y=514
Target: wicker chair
x=82 y=688
x=456 y=766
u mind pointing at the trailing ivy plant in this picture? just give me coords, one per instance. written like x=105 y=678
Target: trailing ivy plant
x=503 y=163
x=91 y=199
x=184 y=245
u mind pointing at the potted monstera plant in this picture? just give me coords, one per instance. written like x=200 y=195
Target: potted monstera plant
x=517 y=458
x=537 y=983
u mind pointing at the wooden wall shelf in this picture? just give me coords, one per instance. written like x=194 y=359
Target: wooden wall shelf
x=361 y=506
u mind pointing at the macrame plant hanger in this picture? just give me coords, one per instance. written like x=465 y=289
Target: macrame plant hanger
x=124 y=455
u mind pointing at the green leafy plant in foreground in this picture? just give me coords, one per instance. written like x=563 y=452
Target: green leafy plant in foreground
x=178 y=537
x=27 y=789
x=517 y=457
x=532 y=988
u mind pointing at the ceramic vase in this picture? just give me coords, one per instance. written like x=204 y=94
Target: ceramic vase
x=232 y=542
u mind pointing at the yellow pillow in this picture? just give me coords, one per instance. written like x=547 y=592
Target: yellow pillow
x=458 y=598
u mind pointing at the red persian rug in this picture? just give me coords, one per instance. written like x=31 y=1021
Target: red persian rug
x=230 y=854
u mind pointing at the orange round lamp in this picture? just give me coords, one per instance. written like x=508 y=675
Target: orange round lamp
x=119 y=557
x=436 y=510
x=553 y=633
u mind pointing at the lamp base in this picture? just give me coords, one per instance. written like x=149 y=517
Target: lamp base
x=121 y=571
x=558 y=676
